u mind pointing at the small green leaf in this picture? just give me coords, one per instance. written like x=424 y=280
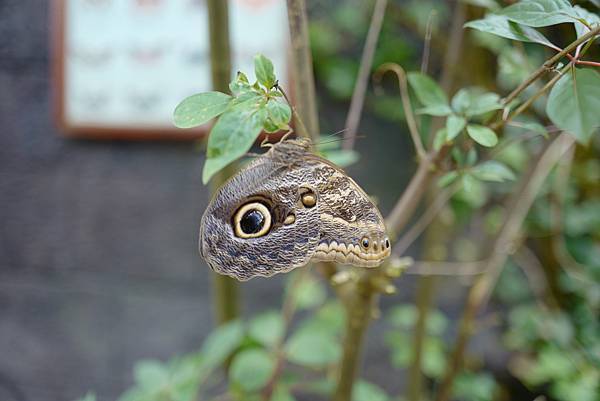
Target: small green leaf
x=539 y=13
x=438 y=111
x=263 y=68
x=454 y=126
x=309 y=293
x=150 y=374
x=251 y=369
x=342 y=157
x=365 y=391
x=440 y=139
x=280 y=113
x=492 y=171
x=482 y=135
x=473 y=101
x=448 y=179
x=267 y=328
x=199 y=109
x=501 y=26
x=233 y=135
x=403 y=316
x=240 y=85
x=221 y=343
x=313 y=348
x=574 y=103
x=427 y=90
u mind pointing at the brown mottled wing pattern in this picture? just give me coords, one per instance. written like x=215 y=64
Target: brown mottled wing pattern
x=337 y=228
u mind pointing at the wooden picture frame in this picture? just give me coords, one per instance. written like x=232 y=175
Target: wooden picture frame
x=72 y=73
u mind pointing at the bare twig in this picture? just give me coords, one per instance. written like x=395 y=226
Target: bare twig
x=501 y=249
x=427 y=42
x=408 y=112
x=360 y=89
x=304 y=82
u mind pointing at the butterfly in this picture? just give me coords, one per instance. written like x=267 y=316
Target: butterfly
x=286 y=208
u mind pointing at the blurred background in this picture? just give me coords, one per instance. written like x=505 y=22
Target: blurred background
x=99 y=265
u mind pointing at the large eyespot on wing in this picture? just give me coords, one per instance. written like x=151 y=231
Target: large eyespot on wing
x=252 y=220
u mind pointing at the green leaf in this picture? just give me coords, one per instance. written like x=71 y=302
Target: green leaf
x=434 y=357
x=233 y=135
x=439 y=110
x=403 y=316
x=574 y=103
x=454 y=126
x=313 y=348
x=221 y=343
x=279 y=112
x=473 y=102
x=309 y=293
x=448 y=179
x=151 y=374
x=501 y=26
x=267 y=328
x=342 y=157
x=263 y=68
x=440 y=139
x=427 y=90
x=365 y=391
x=240 y=85
x=252 y=369
x=539 y=13
x=492 y=171
x=199 y=109
x=482 y=135
x=591 y=18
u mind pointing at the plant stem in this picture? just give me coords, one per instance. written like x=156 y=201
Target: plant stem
x=502 y=247
x=358 y=96
x=304 y=83
x=408 y=112
x=358 y=315
x=225 y=288
x=549 y=64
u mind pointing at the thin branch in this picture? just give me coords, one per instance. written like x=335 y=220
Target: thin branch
x=408 y=112
x=224 y=287
x=501 y=249
x=427 y=42
x=360 y=89
x=549 y=64
x=426 y=218
x=304 y=82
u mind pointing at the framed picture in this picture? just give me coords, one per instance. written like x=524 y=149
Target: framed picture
x=120 y=67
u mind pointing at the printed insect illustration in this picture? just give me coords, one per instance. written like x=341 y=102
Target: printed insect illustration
x=286 y=208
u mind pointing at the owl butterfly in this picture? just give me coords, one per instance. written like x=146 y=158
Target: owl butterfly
x=286 y=208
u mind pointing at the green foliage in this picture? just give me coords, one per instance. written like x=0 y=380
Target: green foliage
x=251 y=369
x=267 y=328
x=313 y=348
x=199 y=109
x=365 y=391
x=574 y=102
x=253 y=108
x=539 y=13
